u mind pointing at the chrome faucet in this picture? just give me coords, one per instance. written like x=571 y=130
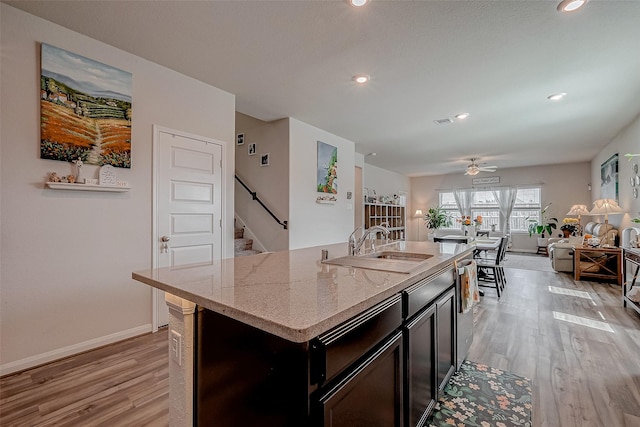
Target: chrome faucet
x=356 y=244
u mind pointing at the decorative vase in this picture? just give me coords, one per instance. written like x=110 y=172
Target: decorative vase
x=471 y=232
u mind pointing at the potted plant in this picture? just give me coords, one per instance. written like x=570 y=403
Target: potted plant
x=546 y=225
x=570 y=227
x=436 y=217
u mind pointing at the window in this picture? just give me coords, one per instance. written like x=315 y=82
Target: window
x=526 y=208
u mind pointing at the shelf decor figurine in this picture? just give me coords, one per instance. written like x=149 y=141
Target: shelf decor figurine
x=78 y=163
x=53 y=177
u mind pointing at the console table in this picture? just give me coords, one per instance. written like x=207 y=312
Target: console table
x=631 y=259
x=598 y=263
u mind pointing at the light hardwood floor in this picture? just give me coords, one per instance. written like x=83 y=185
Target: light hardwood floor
x=124 y=384
x=575 y=341
x=585 y=369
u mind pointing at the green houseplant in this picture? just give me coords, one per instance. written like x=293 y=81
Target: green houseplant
x=546 y=225
x=436 y=217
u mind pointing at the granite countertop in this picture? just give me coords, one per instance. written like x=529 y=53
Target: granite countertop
x=292 y=294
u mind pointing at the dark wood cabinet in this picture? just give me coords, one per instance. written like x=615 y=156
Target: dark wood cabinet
x=430 y=347
x=371 y=394
x=381 y=368
x=445 y=332
x=421 y=392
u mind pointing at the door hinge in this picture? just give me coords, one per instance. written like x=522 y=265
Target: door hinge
x=220 y=163
x=220 y=223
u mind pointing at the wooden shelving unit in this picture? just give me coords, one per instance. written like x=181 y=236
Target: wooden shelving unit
x=393 y=215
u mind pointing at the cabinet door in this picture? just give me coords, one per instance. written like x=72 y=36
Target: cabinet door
x=420 y=346
x=445 y=324
x=371 y=394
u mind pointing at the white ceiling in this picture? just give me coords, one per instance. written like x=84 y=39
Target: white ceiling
x=428 y=60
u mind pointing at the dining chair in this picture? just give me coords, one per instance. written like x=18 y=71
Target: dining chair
x=491 y=270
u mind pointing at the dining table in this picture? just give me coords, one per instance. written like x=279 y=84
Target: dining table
x=481 y=243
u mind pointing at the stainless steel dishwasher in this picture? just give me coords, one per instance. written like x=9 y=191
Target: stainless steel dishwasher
x=465 y=320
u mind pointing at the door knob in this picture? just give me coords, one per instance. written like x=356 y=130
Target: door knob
x=165 y=239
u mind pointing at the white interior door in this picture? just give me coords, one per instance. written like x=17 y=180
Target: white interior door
x=187 y=205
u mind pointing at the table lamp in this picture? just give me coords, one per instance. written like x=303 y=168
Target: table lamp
x=418 y=214
x=578 y=210
x=605 y=207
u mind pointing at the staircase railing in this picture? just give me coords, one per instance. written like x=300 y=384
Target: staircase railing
x=255 y=197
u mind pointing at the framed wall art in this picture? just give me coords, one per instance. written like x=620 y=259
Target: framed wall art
x=264 y=159
x=327 y=168
x=609 y=178
x=252 y=149
x=85 y=109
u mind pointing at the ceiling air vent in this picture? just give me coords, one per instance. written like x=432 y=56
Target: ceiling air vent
x=446 y=121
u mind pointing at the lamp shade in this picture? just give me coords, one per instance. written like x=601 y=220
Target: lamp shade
x=605 y=206
x=578 y=210
x=418 y=213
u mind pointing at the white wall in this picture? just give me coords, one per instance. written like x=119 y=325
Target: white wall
x=67 y=257
x=384 y=182
x=563 y=185
x=269 y=182
x=628 y=141
x=313 y=224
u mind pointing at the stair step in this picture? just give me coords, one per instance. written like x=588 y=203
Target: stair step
x=243 y=244
x=247 y=252
x=238 y=233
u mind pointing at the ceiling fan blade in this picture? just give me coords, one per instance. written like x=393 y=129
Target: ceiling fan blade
x=487 y=168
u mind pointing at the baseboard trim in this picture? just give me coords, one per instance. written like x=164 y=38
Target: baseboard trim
x=60 y=353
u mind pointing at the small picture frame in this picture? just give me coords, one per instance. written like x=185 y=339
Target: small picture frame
x=264 y=159
x=240 y=139
x=252 y=149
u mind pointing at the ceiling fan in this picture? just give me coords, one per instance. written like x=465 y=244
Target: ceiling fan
x=474 y=168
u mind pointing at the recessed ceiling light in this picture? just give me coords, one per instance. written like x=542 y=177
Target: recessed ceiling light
x=462 y=116
x=556 y=96
x=570 y=5
x=361 y=78
x=358 y=3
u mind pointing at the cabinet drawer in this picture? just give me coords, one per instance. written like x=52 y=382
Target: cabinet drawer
x=424 y=292
x=343 y=345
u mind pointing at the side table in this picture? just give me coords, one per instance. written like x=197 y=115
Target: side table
x=598 y=263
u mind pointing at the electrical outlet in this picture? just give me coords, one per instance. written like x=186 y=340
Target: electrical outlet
x=175 y=347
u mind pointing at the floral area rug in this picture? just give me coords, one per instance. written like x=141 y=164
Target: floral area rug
x=479 y=395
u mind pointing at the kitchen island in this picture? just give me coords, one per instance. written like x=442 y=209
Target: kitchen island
x=283 y=339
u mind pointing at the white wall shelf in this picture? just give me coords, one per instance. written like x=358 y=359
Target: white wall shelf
x=86 y=187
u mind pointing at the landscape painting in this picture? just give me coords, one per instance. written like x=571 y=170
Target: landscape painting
x=327 y=168
x=85 y=109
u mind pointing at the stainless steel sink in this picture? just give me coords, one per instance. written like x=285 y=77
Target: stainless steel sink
x=392 y=261
x=405 y=256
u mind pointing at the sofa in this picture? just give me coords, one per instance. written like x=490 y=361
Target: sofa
x=605 y=232
x=561 y=249
x=561 y=253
